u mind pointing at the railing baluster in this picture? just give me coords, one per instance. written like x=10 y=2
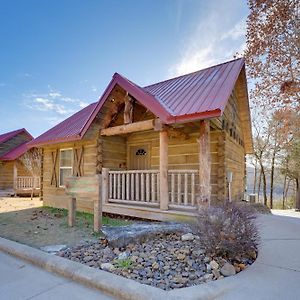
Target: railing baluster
x=137 y=186
x=172 y=187
x=147 y=187
x=132 y=187
x=193 y=189
x=157 y=188
x=127 y=186
x=110 y=186
x=142 y=187
x=185 y=189
x=115 y=186
x=123 y=186
x=152 y=187
x=179 y=189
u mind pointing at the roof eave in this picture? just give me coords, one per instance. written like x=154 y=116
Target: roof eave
x=195 y=117
x=72 y=138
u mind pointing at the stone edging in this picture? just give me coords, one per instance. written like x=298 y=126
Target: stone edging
x=111 y=284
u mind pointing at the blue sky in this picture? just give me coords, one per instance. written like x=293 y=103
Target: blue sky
x=57 y=56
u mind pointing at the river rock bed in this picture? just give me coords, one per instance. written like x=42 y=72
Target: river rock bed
x=167 y=261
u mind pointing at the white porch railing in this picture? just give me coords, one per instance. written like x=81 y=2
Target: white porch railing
x=27 y=182
x=134 y=187
x=142 y=187
x=182 y=187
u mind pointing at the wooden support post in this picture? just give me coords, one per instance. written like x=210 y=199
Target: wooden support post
x=163 y=169
x=71 y=211
x=105 y=185
x=15 y=176
x=204 y=163
x=98 y=207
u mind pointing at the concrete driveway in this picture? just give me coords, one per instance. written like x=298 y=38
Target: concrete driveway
x=20 y=280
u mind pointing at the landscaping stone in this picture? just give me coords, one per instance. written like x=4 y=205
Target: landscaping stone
x=228 y=270
x=214 y=265
x=53 y=249
x=107 y=267
x=162 y=260
x=187 y=237
x=123 y=255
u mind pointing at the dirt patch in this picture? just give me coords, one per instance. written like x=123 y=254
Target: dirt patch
x=28 y=222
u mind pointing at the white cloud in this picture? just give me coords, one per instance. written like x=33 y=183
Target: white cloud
x=214 y=40
x=238 y=31
x=54 y=102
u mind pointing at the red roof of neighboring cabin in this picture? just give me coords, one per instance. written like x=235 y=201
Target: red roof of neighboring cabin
x=18 y=150
x=15 y=153
x=7 y=136
x=199 y=95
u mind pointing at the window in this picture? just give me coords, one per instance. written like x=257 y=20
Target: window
x=65 y=165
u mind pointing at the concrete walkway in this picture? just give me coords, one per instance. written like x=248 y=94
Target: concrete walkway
x=276 y=272
x=20 y=280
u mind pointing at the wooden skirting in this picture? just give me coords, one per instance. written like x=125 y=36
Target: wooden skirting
x=150 y=213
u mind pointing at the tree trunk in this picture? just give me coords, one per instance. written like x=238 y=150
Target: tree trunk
x=259 y=186
x=298 y=194
x=255 y=177
x=283 y=190
x=264 y=184
x=272 y=178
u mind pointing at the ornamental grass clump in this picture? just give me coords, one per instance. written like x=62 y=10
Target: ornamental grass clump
x=228 y=231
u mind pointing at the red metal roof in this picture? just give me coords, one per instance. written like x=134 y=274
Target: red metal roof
x=199 y=95
x=15 y=153
x=7 y=136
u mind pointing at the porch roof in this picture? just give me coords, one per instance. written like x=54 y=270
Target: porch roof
x=199 y=95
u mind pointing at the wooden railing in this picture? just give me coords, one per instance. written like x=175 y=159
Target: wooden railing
x=142 y=187
x=27 y=182
x=182 y=188
x=134 y=187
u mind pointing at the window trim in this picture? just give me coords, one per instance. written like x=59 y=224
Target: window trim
x=66 y=168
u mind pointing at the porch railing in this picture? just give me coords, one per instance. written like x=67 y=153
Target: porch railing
x=182 y=188
x=142 y=187
x=27 y=182
x=134 y=187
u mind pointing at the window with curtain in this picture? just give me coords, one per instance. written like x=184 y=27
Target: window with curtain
x=65 y=165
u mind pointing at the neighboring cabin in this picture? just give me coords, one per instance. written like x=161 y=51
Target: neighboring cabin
x=15 y=177
x=163 y=148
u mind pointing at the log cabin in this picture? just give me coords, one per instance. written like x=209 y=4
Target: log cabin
x=15 y=177
x=162 y=150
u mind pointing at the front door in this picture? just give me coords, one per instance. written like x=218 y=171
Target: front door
x=139 y=157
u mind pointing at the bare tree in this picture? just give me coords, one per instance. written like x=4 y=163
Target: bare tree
x=32 y=162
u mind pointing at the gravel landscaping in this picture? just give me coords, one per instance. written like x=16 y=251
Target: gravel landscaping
x=166 y=261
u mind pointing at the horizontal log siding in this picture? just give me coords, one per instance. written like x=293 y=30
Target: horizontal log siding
x=235 y=162
x=114 y=152
x=6 y=175
x=56 y=196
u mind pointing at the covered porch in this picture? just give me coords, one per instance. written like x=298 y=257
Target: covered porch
x=160 y=172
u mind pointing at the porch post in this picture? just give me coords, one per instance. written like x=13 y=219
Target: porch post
x=163 y=169
x=204 y=163
x=105 y=185
x=15 y=175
